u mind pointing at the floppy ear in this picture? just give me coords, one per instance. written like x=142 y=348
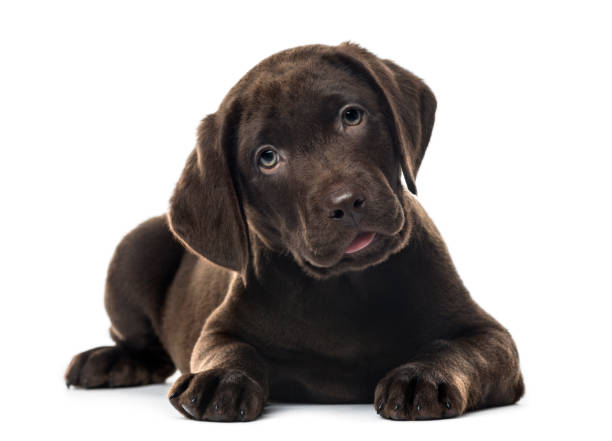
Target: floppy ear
x=411 y=104
x=204 y=210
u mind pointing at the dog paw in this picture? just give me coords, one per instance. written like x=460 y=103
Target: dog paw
x=113 y=366
x=419 y=392
x=217 y=395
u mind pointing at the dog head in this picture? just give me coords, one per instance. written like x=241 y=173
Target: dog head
x=305 y=156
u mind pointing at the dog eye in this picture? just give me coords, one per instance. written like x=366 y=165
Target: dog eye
x=268 y=158
x=352 y=116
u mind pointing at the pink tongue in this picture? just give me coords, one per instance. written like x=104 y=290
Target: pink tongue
x=360 y=242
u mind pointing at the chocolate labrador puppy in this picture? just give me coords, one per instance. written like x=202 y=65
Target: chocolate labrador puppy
x=304 y=270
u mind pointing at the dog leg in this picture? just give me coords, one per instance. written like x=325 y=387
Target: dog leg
x=229 y=381
x=143 y=265
x=474 y=371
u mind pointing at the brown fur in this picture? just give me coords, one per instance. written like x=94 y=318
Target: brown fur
x=262 y=302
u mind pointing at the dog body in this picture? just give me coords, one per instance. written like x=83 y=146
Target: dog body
x=305 y=270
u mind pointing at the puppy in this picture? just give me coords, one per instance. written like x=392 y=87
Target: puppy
x=293 y=265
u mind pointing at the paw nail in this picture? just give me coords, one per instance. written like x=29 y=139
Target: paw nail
x=419 y=407
x=189 y=411
x=68 y=384
x=172 y=395
x=242 y=412
x=396 y=407
x=379 y=407
x=216 y=406
x=447 y=404
x=193 y=399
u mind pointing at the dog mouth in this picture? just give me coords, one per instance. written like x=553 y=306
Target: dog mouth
x=364 y=245
x=360 y=242
x=366 y=249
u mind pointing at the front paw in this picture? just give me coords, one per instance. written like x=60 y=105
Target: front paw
x=217 y=395
x=416 y=391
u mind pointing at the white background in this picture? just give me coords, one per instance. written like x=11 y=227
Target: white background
x=99 y=103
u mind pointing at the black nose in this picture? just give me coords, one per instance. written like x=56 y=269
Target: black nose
x=346 y=204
